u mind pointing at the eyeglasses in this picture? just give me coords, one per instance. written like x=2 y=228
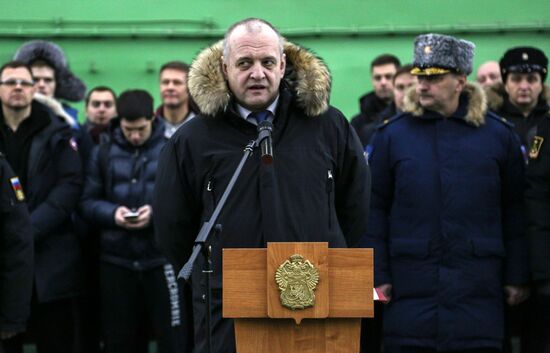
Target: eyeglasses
x=97 y=104
x=15 y=82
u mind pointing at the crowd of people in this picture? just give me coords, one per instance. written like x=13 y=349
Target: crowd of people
x=448 y=181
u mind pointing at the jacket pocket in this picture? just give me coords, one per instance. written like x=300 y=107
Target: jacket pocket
x=413 y=248
x=487 y=247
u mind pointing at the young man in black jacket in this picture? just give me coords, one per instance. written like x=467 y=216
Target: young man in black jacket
x=41 y=150
x=138 y=285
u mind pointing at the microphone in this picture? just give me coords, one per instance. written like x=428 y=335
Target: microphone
x=264 y=140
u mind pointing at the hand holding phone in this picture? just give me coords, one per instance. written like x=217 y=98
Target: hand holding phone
x=131 y=215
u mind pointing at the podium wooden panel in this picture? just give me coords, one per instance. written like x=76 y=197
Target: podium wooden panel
x=262 y=324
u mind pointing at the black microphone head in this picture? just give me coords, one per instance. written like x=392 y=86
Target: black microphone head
x=265 y=125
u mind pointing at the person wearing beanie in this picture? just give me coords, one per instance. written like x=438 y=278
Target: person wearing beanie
x=446 y=213
x=137 y=283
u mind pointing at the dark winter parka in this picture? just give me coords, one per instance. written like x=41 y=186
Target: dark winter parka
x=120 y=174
x=16 y=253
x=365 y=122
x=446 y=223
x=54 y=184
x=315 y=190
x=536 y=126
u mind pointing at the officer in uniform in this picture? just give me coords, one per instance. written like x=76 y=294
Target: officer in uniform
x=16 y=256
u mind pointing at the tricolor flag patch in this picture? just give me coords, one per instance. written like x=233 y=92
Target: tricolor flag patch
x=17 y=188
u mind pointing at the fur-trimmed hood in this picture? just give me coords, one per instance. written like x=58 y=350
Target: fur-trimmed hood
x=305 y=74
x=496 y=95
x=68 y=86
x=477 y=104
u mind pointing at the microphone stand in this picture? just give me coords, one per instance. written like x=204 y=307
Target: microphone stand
x=205 y=232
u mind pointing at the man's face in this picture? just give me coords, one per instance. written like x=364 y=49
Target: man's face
x=137 y=132
x=17 y=88
x=400 y=85
x=382 y=77
x=101 y=107
x=523 y=89
x=439 y=92
x=44 y=76
x=254 y=68
x=173 y=88
x=488 y=74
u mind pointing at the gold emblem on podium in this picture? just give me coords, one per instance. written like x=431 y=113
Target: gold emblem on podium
x=297 y=278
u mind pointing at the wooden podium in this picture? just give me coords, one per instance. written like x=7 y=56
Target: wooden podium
x=262 y=324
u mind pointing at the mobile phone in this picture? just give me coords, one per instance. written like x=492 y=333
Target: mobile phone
x=131 y=215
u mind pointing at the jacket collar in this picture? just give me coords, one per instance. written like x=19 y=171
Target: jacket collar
x=498 y=101
x=306 y=75
x=472 y=106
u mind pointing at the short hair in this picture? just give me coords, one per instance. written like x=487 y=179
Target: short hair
x=175 y=65
x=134 y=104
x=99 y=89
x=385 y=59
x=405 y=69
x=14 y=64
x=252 y=25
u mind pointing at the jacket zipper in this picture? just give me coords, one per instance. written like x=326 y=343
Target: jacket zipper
x=330 y=182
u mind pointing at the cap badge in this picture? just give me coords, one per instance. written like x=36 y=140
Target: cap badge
x=427 y=49
x=524 y=56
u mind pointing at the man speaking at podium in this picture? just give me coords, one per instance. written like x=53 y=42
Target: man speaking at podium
x=314 y=186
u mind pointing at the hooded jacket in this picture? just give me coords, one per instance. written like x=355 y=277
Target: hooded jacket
x=447 y=223
x=365 y=122
x=315 y=190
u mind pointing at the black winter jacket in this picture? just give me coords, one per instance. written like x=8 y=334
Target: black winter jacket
x=123 y=175
x=316 y=189
x=365 y=122
x=54 y=184
x=16 y=253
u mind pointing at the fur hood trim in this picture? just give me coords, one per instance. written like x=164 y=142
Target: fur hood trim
x=68 y=86
x=496 y=93
x=477 y=104
x=306 y=74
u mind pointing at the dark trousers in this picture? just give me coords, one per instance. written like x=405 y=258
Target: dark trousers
x=371 y=331
x=538 y=337
x=51 y=327
x=407 y=349
x=132 y=300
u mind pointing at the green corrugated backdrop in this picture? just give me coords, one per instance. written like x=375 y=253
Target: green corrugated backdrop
x=122 y=43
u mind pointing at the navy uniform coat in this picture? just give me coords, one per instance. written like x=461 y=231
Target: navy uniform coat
x=447 y=224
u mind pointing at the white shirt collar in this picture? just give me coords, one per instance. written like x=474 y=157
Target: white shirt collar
x=244 y=113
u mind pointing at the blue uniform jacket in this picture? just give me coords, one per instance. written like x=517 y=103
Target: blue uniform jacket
x=447 y=224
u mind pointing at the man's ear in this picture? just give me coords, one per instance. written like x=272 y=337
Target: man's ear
x=283 y=63
x=223 y=67
x=462 y=79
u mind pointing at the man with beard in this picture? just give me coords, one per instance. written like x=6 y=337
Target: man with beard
x=176 y=108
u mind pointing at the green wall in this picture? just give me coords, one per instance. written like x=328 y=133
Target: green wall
x=122 y=43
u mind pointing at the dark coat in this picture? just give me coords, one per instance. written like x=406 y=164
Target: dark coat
x=120 y=174
x=538 y=203
x=525 y=127
x=447 y=224
x=536 y=124
x=365 y=122
x=54 y=183
x=16 y=254
x=316 y=189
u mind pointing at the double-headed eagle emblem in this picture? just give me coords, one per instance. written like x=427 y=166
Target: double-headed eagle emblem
x=297 y=279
